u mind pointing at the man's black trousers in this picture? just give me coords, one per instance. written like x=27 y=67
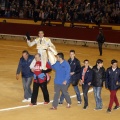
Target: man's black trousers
x=43 y=87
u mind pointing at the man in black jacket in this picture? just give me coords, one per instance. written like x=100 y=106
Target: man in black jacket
x=85 y=81
x=100 y=40
x=75 y=76
x=97 y=82
x=113 y=83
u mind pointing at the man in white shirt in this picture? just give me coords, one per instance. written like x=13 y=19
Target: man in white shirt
x=44 y=47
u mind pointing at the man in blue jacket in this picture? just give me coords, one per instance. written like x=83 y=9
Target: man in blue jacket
x=27 y=74
x=85 y=81
x=113 y=83
x=62 y=76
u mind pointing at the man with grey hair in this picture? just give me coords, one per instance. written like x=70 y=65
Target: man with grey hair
x=40 y=80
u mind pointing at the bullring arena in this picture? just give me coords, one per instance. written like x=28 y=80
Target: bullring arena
x=11 y=90
x=81 y=38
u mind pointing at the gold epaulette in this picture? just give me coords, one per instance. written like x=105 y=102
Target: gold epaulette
x=37 y=39
x=47 y=39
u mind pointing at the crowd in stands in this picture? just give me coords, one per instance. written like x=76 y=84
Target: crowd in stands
x=87 y=11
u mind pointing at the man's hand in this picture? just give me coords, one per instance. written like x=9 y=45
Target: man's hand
x=32 y=70
x=118 y=83
x=89 y=83
x=49 y=48
x=107 y=87
x=65 y=82
x=72 y=73
x=81 y=82
x=17 y=76
x=28 y=36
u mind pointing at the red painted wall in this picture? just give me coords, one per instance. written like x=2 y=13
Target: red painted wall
x=59 y=32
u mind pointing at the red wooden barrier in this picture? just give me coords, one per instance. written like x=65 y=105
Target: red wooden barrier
x=59 y=32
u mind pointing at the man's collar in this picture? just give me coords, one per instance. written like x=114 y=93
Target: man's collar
x=42 y=38
x=114 y=69
x=61 y=62
x=72 y=59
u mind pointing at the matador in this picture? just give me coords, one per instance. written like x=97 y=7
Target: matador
x=45 y=48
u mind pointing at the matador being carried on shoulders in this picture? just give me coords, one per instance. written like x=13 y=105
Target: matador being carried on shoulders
x=45 y=48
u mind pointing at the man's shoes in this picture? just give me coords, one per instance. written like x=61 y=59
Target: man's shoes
x=60 y=103
x=79 y=102
x=53 y=108
x=108 y=110
x=25 y=100
x=32 y=104
x=68 y=106
x=98 y=109
x=29 y=99
x=116 y=107
x=85 y=107
x=45 y=103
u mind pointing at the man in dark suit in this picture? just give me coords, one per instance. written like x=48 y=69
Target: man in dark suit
x=85 y=81
x=100 y=40
x=75 y=76
x=113 y=83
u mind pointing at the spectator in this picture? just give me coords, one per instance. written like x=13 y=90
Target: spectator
x=76 y=10
x=21 y=14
